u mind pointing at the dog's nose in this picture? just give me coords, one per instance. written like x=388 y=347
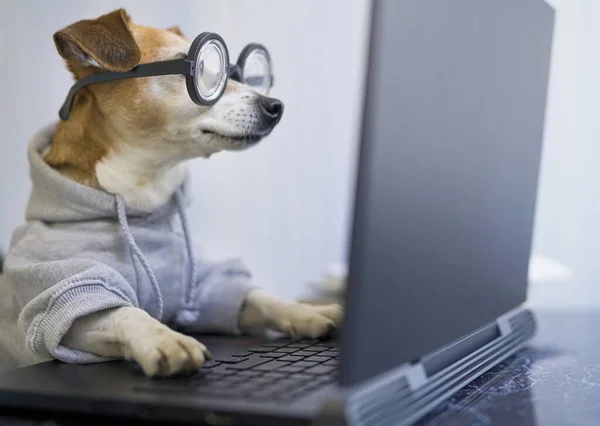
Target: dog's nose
x=272 y=109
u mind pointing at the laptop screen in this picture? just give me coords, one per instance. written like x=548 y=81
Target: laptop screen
x=452 y=135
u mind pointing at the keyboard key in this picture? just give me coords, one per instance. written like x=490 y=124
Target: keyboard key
x=291 y=369
x=229 y=379
x=260 y=349
x=220 y=384
x=230 y=360
x=215 y=383
x=321 y=347
x=246 y=385
x=282 y=384
x=332 y=362
x=270 y=366
x=273 y=355
x=285 y=350
x=191 y=380
x=313 y=349
x=261 y=381
x=210 y=364
x=274 y=344
x=221 y=370
x=204 y=377
x=329 y=353
x=318 y=358
x=303 y=353
x=291 y=358
x=298 y=345
x=301 y=390
x=274 y=375
x=298 y=377
x=301 y=377
x=320 y=369
x=247 y=373
x=248 y=364
x=305 y=364
x=242 y=355
x=322 y=379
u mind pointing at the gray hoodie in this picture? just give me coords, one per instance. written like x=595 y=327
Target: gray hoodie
x=83 y=250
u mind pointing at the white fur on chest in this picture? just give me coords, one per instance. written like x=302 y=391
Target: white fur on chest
x=140 y=178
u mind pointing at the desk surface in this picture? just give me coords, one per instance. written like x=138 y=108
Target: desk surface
x=555 y=381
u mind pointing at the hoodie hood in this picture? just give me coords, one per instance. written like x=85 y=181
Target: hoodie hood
x=56 y=198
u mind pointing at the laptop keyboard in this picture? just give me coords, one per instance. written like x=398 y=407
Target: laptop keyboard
x=275 y=371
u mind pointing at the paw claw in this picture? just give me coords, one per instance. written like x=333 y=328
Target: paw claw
x=164 y=352
x=306 y=321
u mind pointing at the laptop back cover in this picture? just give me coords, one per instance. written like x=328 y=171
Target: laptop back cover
x=451 y=144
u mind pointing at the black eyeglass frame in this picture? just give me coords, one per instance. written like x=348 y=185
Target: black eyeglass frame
x=181 y=66
x=236 y=71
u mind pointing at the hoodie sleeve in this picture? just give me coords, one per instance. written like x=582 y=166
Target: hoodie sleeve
x=216 y=298
x=54 y=294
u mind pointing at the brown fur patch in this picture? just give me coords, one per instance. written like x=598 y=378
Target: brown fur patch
x=101 y=112
x=107 y=40
x=175 y=29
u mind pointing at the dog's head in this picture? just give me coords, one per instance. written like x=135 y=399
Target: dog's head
x=156 y=112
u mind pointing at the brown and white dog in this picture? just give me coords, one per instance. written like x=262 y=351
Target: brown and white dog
x=138 y=135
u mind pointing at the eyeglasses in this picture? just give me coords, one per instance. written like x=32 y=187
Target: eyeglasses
x=206 y=69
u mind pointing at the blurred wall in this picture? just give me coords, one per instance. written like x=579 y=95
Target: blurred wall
x=568 y=220
x=282 y=206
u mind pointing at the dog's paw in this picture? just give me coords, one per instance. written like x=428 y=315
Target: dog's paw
x=296 y=319
x=162 y=352
x=301 y=320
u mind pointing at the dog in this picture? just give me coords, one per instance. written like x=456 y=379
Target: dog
x=129 y=141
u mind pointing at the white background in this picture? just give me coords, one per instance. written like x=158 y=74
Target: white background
x=284 y=206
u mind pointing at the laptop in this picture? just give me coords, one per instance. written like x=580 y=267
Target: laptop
x=451 y=140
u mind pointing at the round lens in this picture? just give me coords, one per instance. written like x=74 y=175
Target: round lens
x=211 y=70
x=257 y=71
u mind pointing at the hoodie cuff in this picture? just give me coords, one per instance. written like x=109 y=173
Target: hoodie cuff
x=216 y=300
x=45 y=337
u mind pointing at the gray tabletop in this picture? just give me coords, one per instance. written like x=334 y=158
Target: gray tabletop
x=555 y=381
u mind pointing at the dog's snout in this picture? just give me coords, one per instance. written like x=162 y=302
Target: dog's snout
x=271 y=108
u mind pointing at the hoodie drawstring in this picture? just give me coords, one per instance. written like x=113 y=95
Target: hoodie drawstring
x=124 y=223
x=122 y=213
x=190 y=249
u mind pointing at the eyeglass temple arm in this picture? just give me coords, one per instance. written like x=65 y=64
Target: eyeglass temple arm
x=174 y=66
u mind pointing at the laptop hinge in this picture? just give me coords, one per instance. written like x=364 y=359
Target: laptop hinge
x=408 y=391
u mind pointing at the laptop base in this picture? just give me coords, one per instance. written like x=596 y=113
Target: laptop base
x=408 y=393
x=398 y=397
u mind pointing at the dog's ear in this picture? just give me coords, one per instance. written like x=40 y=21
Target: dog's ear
x=105 y=42
x=175 y=29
